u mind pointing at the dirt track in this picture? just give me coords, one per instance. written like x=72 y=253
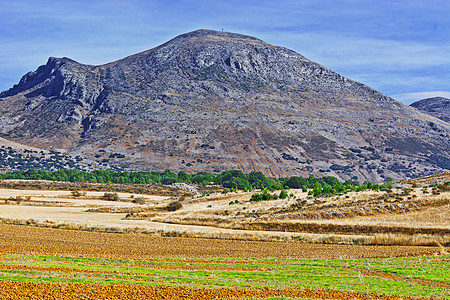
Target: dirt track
x=31 y=240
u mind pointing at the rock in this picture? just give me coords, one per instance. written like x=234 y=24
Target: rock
x=72 y=116
x=184 y=186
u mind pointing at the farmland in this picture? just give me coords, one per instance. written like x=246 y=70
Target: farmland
x=404 y=215
x=69 y=240
x=91 y=265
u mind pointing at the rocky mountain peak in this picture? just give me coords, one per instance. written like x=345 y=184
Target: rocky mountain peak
x=212 y=100
x=54 y=68
x=207 y=33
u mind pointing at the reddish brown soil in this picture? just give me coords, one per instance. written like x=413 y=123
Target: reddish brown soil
x=18 y=290
x=33 y=240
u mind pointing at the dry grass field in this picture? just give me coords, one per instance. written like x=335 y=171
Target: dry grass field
x=398 y=216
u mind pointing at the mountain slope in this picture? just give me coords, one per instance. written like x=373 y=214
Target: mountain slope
x=209 y=100
x=438 y=107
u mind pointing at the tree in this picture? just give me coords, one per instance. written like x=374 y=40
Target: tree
x=183 y=176
x=317 y=189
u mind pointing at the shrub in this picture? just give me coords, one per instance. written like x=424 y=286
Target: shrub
x=111 y=196
x=257 y=197
x=18 y=199
x=317 y=191
x=77 y=193
x=444 y=188
x=264 y=196
x=283 y=194
x=173 y=206
x=139 y=200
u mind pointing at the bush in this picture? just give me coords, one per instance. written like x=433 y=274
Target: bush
x=18 y=199
x=111 y=196
x=444 y=188
x=139 y=200
x=264 y=196
x=317 y=191
x=283 y=194
x=77 y=193
x=173 y=206
x=256 y=197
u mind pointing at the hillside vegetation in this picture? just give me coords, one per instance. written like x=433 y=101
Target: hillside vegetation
x=232 y=179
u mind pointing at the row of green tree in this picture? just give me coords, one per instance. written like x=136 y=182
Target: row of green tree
x=228 y=179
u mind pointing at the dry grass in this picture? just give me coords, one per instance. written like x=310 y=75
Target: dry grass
x=427 y=180
x=399 y=216
x=145 y=189
x=389 y=239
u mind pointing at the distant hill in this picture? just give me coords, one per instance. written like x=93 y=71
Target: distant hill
x=213 y=101
x=438 y=107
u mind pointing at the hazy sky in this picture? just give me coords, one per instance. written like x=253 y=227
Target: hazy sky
x=401 y=48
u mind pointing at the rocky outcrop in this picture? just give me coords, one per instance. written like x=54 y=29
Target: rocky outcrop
x=438 y=107
x=210 y=101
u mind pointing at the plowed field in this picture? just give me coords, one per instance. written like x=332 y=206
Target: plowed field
x=43 y=263
x=32 y=240
x=19 y=290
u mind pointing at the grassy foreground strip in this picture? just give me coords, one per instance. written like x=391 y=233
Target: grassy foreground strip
x=97 y=278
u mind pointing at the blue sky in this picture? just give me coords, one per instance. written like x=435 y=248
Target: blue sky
x=401 y=48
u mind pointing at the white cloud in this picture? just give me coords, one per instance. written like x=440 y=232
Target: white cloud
x=409 y=98
x=344 y=51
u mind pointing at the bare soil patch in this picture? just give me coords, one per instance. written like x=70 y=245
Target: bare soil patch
x=19 y=290
x=32 y=240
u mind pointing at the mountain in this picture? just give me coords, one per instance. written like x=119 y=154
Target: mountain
x=213 y=101
x=438 y=107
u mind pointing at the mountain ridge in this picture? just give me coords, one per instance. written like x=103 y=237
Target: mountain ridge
x=211 y=100
x=438 y=107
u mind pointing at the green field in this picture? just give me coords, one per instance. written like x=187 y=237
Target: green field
x=411 y=276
